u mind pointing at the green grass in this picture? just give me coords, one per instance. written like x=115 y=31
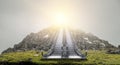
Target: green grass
x=94 y=57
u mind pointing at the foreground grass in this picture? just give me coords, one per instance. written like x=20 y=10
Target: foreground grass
x=94 y=57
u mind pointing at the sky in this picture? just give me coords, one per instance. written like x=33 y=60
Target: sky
x=18 y=18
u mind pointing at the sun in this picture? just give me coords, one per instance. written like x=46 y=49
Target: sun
x=61 y=20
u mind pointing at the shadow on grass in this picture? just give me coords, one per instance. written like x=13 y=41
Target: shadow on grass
x=18 y=63
x=59 y=62
x=44 y=62
x=64 y=61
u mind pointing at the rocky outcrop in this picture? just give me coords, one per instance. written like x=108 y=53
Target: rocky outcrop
x=35 y=41
x=44 y=39
x=119 y=47
x=89 y=41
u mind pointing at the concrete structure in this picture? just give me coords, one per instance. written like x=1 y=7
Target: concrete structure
x=64 y=48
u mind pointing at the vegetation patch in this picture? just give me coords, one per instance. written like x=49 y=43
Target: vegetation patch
x=35 y=58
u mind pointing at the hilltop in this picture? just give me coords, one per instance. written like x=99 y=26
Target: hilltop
x=44 y=39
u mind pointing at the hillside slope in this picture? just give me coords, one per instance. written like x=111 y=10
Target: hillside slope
x=44 y=39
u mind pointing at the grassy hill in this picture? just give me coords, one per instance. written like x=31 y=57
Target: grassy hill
x=94 y=57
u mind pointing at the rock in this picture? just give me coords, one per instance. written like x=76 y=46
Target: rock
x=44 y=39
x=89 y=41
x=119 y=47
x=113 y=52
x=8 y=50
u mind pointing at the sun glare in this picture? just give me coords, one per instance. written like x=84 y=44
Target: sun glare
x=60 y=19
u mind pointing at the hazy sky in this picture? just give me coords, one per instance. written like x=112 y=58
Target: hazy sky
x=21 y=17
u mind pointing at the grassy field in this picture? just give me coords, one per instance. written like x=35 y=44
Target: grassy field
x=94 y=57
